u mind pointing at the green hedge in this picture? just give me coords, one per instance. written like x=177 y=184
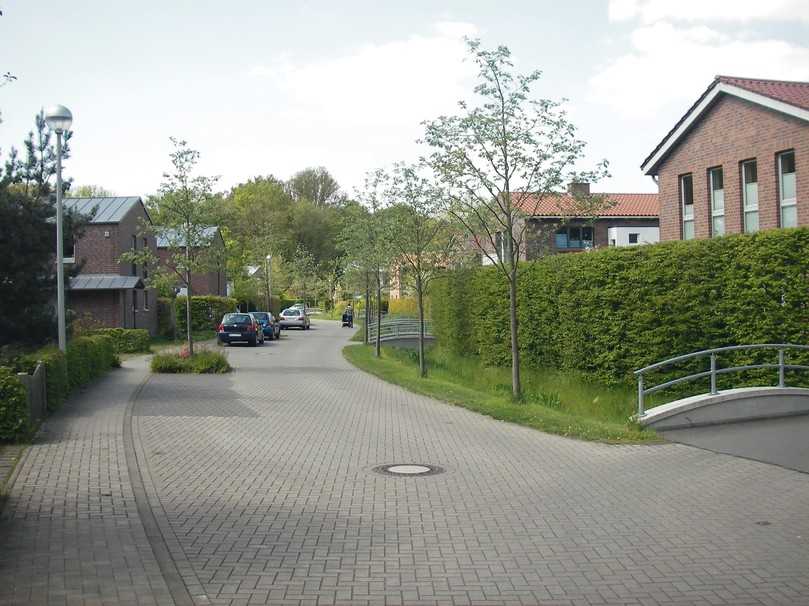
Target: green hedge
x=165 y=319
x=206 y=311
x=202 y=362
x=14 y=422
x=127 y=340
x=89 y=357
x=56 y=375
x=611 y=311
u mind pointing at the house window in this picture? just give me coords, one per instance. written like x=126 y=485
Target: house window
x=134 y=300
x=574 y=237
x=633 y=238
x=687 y=202
x=145 y=300
x=750 y=196
x=134 y=267
x=787 y=187
x=716 y=182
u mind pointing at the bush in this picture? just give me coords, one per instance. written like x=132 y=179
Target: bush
x=14 y=421
x=127 y=340
x=407 y=307
x=202 y=362
x=206 y=312
x=165 y=318
x=56 y=375
x=89 y=357
x=611 y=311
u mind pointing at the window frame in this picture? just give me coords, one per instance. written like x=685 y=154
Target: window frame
x=565 y=230
x=683 y=218
x=134 y=267
x=786 y=202
x=712 y=196
x=748 y=209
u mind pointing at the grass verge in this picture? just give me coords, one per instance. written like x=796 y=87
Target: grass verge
x=202 y=362
x=554 y=402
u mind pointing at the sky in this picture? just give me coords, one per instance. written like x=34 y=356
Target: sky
x=270 y=87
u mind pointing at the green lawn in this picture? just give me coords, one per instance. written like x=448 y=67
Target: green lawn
x=554 y=402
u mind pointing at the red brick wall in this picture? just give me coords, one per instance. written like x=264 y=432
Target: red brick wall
x=209 y=283
x=732 y=131
x=98 y=252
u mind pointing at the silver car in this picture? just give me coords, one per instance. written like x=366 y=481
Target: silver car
x=293 y=316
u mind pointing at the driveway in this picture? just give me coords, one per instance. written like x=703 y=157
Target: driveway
x=263 y=488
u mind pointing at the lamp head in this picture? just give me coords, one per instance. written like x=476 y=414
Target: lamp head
x=58 y=118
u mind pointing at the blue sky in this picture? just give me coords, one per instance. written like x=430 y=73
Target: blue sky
x=268 y=87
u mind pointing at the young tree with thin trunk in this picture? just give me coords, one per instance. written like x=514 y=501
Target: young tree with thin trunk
x=498 y=160
x=183 y=216
x=422 y=238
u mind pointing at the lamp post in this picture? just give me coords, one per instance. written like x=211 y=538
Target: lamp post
x=59 y=119
x=268 y=275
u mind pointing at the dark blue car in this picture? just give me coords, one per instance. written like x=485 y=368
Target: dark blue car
x=269 y=325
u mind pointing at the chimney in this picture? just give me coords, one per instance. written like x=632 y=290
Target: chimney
x=578 y=189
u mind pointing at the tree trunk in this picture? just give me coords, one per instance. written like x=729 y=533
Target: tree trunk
x=420 y=301
x=378 y=314
x=367 y=307
x=188 y=298
x=516 y=386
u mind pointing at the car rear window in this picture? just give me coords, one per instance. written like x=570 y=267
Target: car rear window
x=236 y=319
x=291 y=312
x=262 y=316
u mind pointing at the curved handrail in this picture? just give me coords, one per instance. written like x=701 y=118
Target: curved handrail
x=399 y=327
x=713 y=372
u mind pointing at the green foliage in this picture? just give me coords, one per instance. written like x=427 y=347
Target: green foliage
x=165 y=318
x=89 y=357
x=609 y=312
x=14 y=421
x=127 y=340
x=206 y=311
x=202 y=362
x=56 y=375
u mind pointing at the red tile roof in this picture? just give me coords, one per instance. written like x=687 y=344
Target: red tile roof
x=794 y=93
x=621 y=205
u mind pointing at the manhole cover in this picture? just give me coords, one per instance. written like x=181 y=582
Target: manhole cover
x=408 y=469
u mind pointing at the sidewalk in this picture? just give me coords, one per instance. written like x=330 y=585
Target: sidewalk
x=70 y=528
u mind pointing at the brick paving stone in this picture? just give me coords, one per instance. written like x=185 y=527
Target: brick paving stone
x=262 y=484
x=70 y=531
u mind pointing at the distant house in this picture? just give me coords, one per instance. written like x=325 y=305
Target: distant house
x=737 y=161
x=552 y=227
x=107 y=292
x=213 y=282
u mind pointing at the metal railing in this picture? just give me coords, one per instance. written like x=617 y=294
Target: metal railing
x=714 y=371
x=398 y=328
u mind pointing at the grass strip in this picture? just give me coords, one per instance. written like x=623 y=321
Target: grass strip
x=398 y=367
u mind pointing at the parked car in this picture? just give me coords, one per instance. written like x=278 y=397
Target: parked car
x=239 y=328
x=293 y=316
x=269 y=325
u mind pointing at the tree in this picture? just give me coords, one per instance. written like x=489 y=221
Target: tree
x=422 y=238
x=315 y=185
x=90 y=191
x=182 y=214
x=499 y=160
x=366 y=245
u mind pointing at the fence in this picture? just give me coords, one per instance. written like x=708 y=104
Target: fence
x=37 y=393
x=398 y=328
x=714 y=371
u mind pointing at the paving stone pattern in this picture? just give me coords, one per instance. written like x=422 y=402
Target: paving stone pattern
x=263 y=483
x=70 y=531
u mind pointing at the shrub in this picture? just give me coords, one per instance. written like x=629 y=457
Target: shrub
x=206 y=311
x=127 y=340
x=202 y=362
x=611 y=311
x=14 y=420
x=89 y=357
x=56 y=375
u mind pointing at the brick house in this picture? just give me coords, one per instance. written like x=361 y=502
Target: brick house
x=213 y=282
x=737 y=161
x=552 y=227
x=108 y=292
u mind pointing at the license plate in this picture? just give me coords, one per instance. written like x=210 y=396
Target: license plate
x=235 y=334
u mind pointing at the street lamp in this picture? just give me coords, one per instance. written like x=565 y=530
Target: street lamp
x=59 y=119
x=268 y=274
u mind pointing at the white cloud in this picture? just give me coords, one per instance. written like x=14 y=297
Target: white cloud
x=670 y=65
x=364 y=108
x=650 y=11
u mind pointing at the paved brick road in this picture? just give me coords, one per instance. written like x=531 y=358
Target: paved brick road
x=261 y=485
x=265 y=480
